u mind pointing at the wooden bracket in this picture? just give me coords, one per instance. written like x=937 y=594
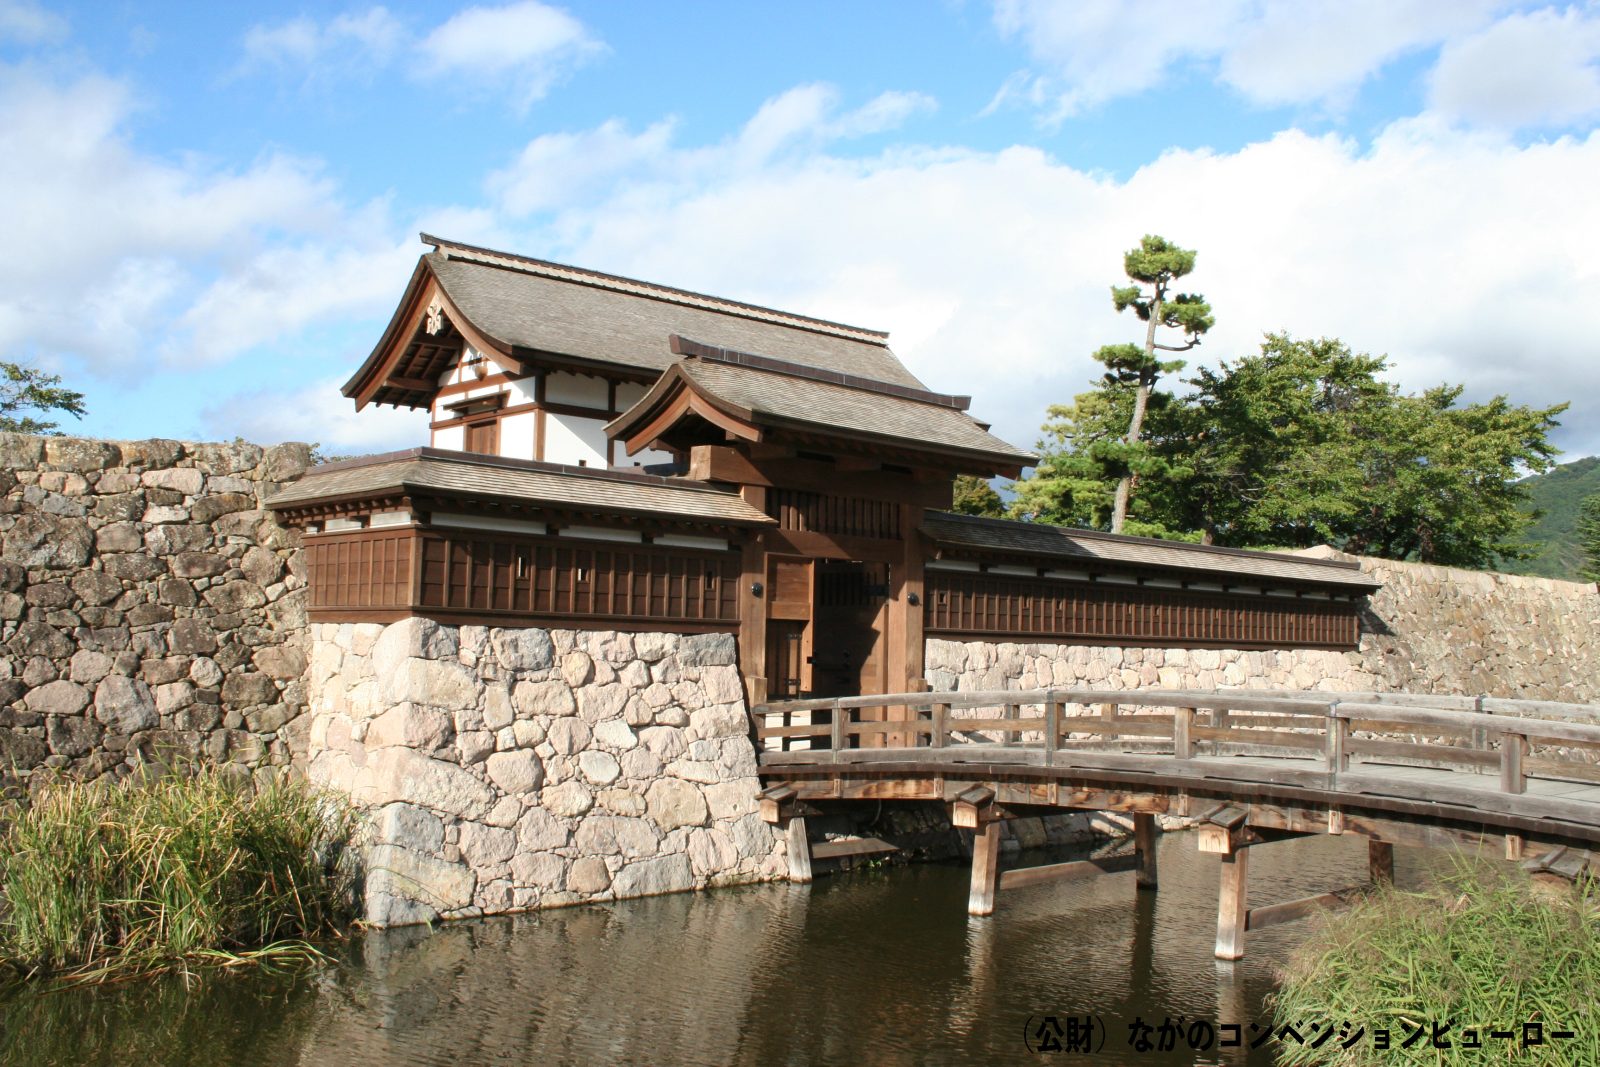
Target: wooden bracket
x=1223 y=830
x=975 y=807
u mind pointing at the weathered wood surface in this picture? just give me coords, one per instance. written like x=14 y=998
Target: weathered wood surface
x=1422 y=758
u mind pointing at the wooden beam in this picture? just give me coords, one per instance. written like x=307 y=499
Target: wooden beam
x=799 y=852
x=1063 y=872
x=1145 y=836
x=1232 y=911
x=985 y=866
x=1290 y=910
x=865 y=846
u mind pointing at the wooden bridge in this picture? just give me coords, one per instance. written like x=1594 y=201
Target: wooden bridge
x=1248 y=767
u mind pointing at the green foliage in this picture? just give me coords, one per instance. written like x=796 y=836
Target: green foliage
x=1555 y=499
x=1588 y=533
x=1156 y=263
x=1299 y=445
x=101 y=879
x=28 y=389
x=1304 y=444
x=1482 y=950
x=974 y=496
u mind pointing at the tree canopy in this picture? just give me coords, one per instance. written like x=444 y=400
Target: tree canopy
x=1155 y=264
x=25 y=389
x=1302 y=444
x=1588 y=531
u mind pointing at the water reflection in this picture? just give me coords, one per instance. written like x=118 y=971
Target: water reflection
x=878 y=966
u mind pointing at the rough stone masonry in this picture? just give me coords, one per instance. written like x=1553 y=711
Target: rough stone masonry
x=150 y=608
x=521 y=768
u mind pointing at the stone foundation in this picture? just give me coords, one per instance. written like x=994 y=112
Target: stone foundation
x=522 y=768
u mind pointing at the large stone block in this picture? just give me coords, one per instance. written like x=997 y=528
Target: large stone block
x=515 y=772
x=439 y=683
x=673 y=803
x=401 y=774
x=57 y=542
x=523 y=649
x=406 y=876
x=58 y=698
x=654 y=876
x=125 y=705
x=411 y=725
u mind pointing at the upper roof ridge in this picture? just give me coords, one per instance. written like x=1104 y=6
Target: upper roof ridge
x=583 y=276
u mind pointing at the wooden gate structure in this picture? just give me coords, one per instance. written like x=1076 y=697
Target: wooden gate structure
x=1249 y=768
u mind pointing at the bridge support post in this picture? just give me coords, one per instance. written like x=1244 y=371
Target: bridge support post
x=1232 y=913
x=1380 y=862
x=799 y=850
x=985 y=869
x=1145 y=836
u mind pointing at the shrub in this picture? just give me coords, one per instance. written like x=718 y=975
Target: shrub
x=148 y=874
x=1482 y=950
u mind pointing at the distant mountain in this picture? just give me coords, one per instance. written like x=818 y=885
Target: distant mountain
x=1558 y=494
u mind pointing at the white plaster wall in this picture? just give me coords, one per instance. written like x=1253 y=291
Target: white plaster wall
x=516 y=435
x=580 y=390
x=574 y=441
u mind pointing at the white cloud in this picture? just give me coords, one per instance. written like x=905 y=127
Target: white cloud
x=1539 y=68
x=25 y=22
x=566 y=170
x=132 y=259
x=349 y=42
x=318 y=414
x=1455 y=253
x=527 y=45
x=1271 y=51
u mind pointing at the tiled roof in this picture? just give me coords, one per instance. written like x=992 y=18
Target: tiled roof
x=546 y=307
x=1069 y=546
x=773 y=397
x=428 y=470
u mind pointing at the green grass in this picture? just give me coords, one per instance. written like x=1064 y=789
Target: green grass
x=104 y=880
x=1481 y=949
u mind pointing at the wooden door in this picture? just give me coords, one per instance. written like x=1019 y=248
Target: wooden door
x=790 y=596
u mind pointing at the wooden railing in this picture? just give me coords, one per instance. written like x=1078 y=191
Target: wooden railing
x=1193 y=734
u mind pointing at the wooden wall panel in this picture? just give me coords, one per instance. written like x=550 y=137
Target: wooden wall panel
x=542 y=581
x=981 y=605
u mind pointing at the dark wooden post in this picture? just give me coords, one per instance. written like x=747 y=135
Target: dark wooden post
x=1232 y=912
x=1380 y=862
x=985 y=868
x=1145 y=837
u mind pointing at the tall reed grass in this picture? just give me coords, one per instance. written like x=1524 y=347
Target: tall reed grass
x=1481 y=950
x=104 y=879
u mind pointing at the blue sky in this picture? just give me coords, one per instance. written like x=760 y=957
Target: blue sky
x=214 y=208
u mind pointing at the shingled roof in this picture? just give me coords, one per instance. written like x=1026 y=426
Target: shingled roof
x=1064 y=545
x=424 y=471
x=769 y=394
x=528 y=308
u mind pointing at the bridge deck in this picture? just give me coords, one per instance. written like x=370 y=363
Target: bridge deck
x=1251 y=767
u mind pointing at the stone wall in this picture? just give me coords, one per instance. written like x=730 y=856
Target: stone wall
x=1429 y=630
x=518 y=768
x=149 y=607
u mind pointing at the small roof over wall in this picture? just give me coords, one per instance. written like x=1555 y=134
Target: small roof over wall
x=526 y=310
x=750 y=396
x=436 y=472
x=1066 y=547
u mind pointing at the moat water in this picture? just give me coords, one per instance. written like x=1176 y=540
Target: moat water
x=878 y=967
